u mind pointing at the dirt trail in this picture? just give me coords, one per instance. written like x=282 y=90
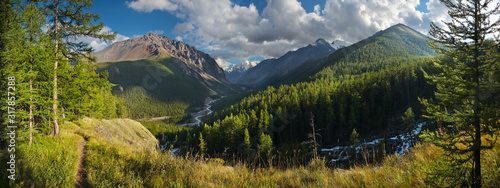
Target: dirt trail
x=81 y=174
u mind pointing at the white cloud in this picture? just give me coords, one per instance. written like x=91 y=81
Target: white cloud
x=317 y=9
x=157 y=32
x=183 y=27
x=98 y=45
x=120 y=37
x=231 y=31
x=150 y=5
x=222 y=63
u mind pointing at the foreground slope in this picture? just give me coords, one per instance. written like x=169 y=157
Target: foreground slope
x=119 y=154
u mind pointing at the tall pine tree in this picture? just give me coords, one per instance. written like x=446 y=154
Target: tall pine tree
x=69 y=20
x=468 y=86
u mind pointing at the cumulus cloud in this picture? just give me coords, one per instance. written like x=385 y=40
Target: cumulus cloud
x=183 y=27
x=222 y=63
x=231 y=31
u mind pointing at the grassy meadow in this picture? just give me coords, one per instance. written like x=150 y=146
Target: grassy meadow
x=121 y=153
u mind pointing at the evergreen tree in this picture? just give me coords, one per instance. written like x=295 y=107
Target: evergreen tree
x=354 y=138
x=202 y=145
x=246 y=142
x=266 y=144
x=468 y=91
x=409 y=120
x=6 y=23
x=69 y=20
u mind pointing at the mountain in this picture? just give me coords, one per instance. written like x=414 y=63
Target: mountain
x=365 y=87
x=237 y=70
x=396 y=42
x=193 y=62
x=242 y=66
x=269 y=70
x=160 y=77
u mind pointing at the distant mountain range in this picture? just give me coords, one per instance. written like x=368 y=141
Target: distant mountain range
x=267 y=71
x=183 y=74
x=236 y=70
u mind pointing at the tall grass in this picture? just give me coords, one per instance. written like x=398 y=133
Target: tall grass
x=52 y=161
x=120 y=153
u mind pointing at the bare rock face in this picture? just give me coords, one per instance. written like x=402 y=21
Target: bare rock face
x=195 y=63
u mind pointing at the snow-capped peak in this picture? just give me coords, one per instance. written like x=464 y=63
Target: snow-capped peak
x=242 y=66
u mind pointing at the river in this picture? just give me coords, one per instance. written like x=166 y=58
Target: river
x=196 y=116
x=400 y=143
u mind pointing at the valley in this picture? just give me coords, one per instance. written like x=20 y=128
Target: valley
x=200 y=113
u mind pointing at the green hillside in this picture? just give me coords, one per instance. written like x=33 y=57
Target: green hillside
x=382 y=50
x=365 y=87
x=154 y=88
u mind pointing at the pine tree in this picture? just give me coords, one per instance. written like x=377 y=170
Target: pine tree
x=266 y=144
x=35 y=44
x=69 y=21
x=468 y=90
x=202 y=145
x=246 y=142
x=7 y=16
x=409 y=120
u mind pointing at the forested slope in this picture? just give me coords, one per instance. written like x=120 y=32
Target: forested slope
x=154 y=88
x=365 y=87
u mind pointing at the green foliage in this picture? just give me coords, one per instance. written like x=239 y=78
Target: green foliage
x=29 y=56
x=202 y=145
x=354 y=138
x=246 y=142
x=361 y=87
x=113 y=161
x=362 y=102
x=154 y=88
x=265 y=143
x=50 y=161
x=408 y=117
x=467 y=99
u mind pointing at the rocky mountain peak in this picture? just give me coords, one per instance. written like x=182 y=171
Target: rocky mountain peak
x=152 y=46
x=322 y=44
x=320 y=41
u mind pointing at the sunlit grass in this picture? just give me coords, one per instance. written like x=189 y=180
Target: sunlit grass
x=52 y=161
x=120 y=153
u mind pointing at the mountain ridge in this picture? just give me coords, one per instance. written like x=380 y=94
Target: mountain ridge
x=150 y=46
x=269 y=70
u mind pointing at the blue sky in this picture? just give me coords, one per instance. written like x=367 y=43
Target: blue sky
x=252 y=30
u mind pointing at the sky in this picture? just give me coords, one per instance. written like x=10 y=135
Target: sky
x=232 y=31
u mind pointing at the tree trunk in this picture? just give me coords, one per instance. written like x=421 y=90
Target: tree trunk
x=477 y=126
x=54 y=97
x=31 y=89
x=31 y=112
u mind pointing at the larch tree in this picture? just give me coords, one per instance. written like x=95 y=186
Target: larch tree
x=467 y=81
x=33 y=59
x=69 y=20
